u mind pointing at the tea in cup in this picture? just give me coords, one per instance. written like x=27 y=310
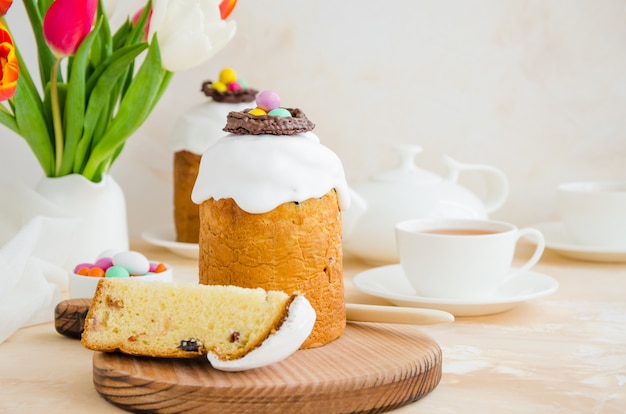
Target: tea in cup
x=594 y=212
x=462 y=258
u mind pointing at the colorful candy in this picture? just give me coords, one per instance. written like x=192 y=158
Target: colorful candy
x=228 y=81
x=279 y=112
x=228 y=75
x=82 y=266
x=135 y=262
x=257 y=112
x=268 y=103
x=159 y=268
x=96 y=272
x=117 y=271
x=119 y=264
x=104 y=262
x=219 y=86
x=267 y=100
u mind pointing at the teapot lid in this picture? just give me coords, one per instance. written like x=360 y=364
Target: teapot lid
x=406 y=171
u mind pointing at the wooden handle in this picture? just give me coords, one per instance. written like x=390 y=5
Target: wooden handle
x=69 y=317
x=359 y=312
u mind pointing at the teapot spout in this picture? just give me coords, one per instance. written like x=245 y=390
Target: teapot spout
x=497 y=183
x=351 y=216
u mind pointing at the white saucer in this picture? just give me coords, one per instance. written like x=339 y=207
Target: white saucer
x=388 y=282
x=165 y=237
x=558 y=239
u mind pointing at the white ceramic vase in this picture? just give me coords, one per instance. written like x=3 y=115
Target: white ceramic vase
x=100 y=208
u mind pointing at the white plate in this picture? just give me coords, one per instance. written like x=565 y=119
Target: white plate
x=558 y=239
x=165 y=237
x=388 y=282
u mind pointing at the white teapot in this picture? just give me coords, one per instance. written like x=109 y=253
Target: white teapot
x=408 y=192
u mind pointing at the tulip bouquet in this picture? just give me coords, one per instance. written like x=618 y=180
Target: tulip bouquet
x=98 y=86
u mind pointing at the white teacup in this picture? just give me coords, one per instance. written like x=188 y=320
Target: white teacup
x=461 y=258
x=594 y=212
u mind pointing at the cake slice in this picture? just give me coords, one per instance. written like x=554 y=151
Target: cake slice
x=173 y=320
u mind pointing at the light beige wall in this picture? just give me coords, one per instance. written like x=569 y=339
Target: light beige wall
x=536 y=88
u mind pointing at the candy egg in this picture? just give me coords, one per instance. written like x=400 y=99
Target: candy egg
x=160 y=268
x=234 y=86
x=96 y=271
x=135 y=262
x=228 y=75
x=117 y=271
x=104 y=263
x=280 y=112
x=242 y=83
x=83 y=271
x=81 y=266
x=257 y=112
x=219 y=86
x=268 y=100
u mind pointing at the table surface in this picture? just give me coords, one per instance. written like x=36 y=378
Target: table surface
x=562 y=353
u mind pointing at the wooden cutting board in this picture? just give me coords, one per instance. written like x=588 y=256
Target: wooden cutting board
x=371 y=368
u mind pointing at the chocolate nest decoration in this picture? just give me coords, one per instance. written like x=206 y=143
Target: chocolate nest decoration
x=238 y=96
x=242 y=123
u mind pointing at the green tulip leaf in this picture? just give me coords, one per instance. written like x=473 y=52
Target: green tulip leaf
x=121 y=35
x=74 y=114
x=102 y=101
x=8 y=120
x=132 y=112
x=103 y=46
x=35 y=10
x=32 y=125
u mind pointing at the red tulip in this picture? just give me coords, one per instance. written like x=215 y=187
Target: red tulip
x=227 y=6
x=9 y=68
x=4 y=6
x=67 y=23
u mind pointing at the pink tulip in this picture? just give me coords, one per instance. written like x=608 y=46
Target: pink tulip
x=67 y=23
x=4 y=6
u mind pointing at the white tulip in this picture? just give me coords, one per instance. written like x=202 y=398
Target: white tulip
x=109 y=7
x=189 y=31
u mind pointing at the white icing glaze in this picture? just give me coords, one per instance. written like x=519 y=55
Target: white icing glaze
x=260 y=172
x=201 y=126
x=278 y=346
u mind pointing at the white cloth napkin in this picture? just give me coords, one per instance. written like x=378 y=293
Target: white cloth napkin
x=34 y=235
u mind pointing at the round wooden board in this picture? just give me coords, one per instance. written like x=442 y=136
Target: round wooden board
x=371 y=368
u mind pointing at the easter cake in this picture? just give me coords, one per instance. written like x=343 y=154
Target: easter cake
x=270 y=199
x=236 y=328
x=194 y=132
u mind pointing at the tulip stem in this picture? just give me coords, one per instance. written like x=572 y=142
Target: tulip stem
x=56 y=115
